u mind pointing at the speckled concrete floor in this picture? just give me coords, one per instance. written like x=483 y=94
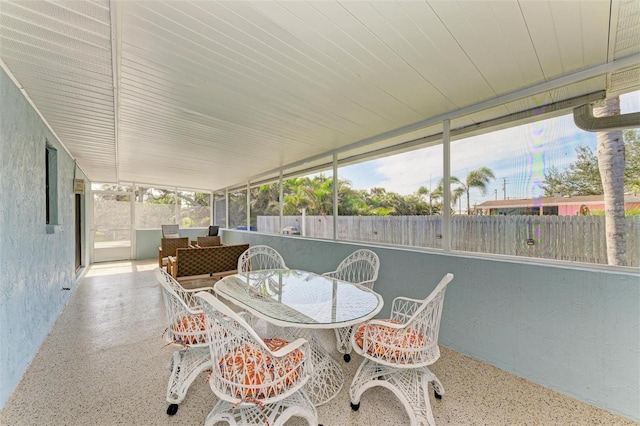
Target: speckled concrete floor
x=104 y=363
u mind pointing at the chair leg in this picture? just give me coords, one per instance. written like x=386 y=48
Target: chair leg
x=187 y=364
x=275 y=413
x=410 y=386
x=438 y=389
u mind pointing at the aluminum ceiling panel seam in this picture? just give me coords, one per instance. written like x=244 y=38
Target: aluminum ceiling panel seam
x=279 y=78
x=410 y=88
x=319 y=101
x=116 y=37
x=30 y=17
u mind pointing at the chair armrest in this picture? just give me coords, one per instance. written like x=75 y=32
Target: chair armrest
x=190 y=296
x=172 y=267
x=288 y=348
x=403 y=308
x=300 y=344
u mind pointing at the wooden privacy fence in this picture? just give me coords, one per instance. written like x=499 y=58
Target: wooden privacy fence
x=573 y=238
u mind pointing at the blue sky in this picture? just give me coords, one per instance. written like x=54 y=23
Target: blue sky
x=519 y=155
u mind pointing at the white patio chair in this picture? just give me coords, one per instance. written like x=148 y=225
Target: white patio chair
x=398 y=351
x=257 y=258
x=186 y=328
x=257 y=381
x=360 y=267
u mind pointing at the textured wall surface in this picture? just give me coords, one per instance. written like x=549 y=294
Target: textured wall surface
x=572 y=330
x=34 y=265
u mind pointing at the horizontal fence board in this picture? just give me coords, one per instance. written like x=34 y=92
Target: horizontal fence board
x=570 y=238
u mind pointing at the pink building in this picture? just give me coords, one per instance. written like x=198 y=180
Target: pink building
x=560 y=206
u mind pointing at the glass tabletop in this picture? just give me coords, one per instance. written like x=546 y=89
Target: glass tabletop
x=290 y=297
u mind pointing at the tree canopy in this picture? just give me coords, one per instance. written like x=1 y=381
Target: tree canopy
x=315 y=195
x=582 y=177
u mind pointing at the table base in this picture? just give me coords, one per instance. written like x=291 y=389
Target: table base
x=328 y=376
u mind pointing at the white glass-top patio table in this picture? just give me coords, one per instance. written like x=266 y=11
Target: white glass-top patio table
x=304 y=301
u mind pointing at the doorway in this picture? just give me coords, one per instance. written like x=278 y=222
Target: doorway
x=112 y=225
x=78 y=228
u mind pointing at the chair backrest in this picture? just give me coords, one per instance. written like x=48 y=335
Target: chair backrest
x=209 y=241
x=243 y=368
x=170 y=245
x=213 y=230
x=207 y=260
x=359 y=267
x=185 y=321
x=411 y=341
x=170 y=231
x=256 y=258
x=424 y=319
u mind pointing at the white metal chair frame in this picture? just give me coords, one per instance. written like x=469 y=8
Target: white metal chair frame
x=360 y=267
x=260 y=257
x=257 y=381
x=185 y=327
x=398 y=351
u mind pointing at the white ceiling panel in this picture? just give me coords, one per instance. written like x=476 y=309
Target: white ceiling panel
x=208 y=94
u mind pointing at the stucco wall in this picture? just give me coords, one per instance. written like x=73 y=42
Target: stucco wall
x=34 y=265
x=573 y=330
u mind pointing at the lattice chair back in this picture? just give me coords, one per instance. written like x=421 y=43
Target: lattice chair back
x=185 y=320
x=258 y=258
x=409 y=339
x=360 y=267
x=249 y=369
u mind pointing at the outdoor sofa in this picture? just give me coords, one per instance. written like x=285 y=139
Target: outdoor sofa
x=216 y=261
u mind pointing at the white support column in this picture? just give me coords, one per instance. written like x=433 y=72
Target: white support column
x=226 y=208
x=132 y=206
x=176 y=210
x=335 y=196
x=212 y=208
x=281 y=203
x=446 y=185
x=248 y=207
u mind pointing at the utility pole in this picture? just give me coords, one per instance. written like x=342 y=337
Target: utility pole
x=495 y=192
x=504 y=188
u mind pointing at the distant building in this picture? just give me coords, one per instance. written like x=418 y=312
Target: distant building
x=558 y=206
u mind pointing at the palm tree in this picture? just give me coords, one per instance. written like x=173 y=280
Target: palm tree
x=610 y=149
x=478 y=178
x=456 y=192
x=424 y=192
